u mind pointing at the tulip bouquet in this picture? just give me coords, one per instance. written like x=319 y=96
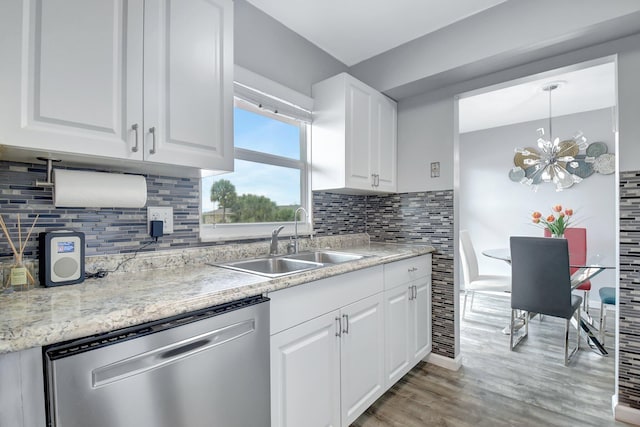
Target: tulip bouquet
x=557 y=222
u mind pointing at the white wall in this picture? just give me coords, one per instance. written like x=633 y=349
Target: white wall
x=492 y=207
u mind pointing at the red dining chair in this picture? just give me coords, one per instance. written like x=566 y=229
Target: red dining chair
x=577 y=241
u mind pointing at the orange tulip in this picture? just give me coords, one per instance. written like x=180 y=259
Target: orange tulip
x=551 y=218
x=537 y=215
x=536 y=220
x=569 y=212
x=557 y=208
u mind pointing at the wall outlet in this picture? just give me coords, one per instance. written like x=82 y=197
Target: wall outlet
x=161 y=213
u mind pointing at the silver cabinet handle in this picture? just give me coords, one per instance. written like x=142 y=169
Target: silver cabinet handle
x=373 y=179
x=412 y=269
x=345 y=329
x=152 y=131
x=415 y=292
x=134 y=128
x=377 y=184
x=410 y=293
x=339 y=325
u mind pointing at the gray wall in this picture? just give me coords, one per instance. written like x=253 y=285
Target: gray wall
x=511 y=33
x=426 y=122
x=268 y=48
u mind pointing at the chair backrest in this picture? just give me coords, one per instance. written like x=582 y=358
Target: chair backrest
x=577 y=240
x=468 y=259
x=540 y=280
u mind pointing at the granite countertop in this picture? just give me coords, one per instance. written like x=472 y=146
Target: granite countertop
x=44 y=316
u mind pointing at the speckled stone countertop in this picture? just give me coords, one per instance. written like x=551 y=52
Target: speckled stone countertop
x=43 y=316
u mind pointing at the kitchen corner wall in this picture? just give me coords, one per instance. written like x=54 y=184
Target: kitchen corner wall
x=420 y=217
x=628 y=391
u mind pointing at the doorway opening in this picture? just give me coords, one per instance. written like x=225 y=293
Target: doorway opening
x=496 y=196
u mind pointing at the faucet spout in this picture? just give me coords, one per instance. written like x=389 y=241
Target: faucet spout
x=295 y=217
x=273 y=247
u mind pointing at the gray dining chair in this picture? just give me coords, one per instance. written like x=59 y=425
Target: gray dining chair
x=541 y=283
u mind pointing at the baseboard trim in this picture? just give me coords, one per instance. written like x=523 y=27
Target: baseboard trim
x=625 y=413
x=444 y=362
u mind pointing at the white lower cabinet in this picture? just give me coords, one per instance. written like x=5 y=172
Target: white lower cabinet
x=338 y=344
x=305 y=374
x=323 y=372
x=397 y=321
x=361 y=356
x=407 y=301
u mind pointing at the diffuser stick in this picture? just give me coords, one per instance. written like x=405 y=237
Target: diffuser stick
x=29 y=234
x=6 y=233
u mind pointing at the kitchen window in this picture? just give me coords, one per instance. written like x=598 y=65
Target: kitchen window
x=270 y=180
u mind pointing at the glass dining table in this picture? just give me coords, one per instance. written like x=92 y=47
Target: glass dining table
x=581 y=275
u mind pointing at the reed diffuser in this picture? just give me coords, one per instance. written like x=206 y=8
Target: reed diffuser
x=18 y=275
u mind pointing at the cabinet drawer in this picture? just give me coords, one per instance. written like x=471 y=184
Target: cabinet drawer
x=406 y=270
x=292 y=306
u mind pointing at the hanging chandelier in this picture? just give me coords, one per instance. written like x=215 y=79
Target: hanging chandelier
x=553 y=160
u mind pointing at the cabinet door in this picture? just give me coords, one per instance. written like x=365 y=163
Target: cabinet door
x=305 y=374
x=385 y=143
x=188 y=83
x=398 y=354
x=421 y=319
x=71 y=79
x=362 y=356
x=358 y=128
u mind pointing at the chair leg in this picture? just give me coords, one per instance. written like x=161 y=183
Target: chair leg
x=568 y=355
x=464 y=303
x=585 y=302
x=513 y=330
x=603 y=322
x=473 y=294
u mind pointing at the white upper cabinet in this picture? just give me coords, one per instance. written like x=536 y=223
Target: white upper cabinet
x=188 y=83
x=354 y=137
x=135 y=80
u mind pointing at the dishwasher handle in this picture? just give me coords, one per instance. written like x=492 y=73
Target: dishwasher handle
x=172 y=353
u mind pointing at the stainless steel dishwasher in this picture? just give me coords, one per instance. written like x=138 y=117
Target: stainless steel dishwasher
x=204 y=368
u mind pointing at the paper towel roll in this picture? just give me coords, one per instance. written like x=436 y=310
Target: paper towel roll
x=98 y=189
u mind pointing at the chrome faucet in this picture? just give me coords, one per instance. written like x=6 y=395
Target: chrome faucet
x=273 y=248
x=295 y=218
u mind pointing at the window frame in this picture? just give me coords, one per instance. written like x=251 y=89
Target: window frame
x=247 y=231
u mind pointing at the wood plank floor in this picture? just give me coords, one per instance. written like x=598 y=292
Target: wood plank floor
x=497 y=387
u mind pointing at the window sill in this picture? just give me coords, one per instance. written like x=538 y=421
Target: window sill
x=231 y=232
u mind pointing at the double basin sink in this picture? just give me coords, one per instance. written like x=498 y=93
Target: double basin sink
x=282 y=265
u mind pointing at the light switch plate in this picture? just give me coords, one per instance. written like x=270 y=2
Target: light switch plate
x=161 y=213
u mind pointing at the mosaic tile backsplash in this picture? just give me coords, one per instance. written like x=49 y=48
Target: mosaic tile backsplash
x=629 y=362
x=402 y=218
x=107 y=230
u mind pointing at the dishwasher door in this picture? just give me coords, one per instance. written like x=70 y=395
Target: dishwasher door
x=206 y=368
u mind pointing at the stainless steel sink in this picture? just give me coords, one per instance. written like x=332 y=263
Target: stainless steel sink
x=325 y=257
x=271 y=267
x=290 y=264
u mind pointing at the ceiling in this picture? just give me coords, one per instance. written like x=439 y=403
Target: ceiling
x=582 y=90
x=355 y=30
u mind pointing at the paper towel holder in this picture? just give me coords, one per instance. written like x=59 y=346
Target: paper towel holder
x=48 y=182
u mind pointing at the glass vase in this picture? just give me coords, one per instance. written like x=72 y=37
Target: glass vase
x=18 y=275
